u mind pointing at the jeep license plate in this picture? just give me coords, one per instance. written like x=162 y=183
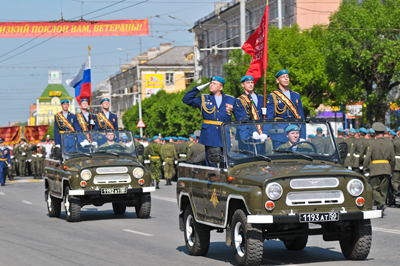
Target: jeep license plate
x=319 y=217
x=106 y=191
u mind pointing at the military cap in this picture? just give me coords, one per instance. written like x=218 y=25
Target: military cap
x=149 y=140
x=23 y=139
x=378 y=127
x=1 y=140
x=194 y=137
x=292 y=128
x=167 y=138
x=155 y=137
x=371 y=131
x=105 y=99
x=137 y=136
x=179 y=138
x=340 y=129
x=64 y=101
x=197 y=133
x=364 y=130
x=311 y=136
x=357 y=130
x=247 y=78
x=218 y=78
x=398 y=128
x=346 y=133
x=319 y=129
x=393 y=133
x=162 y=139
x=281 y=72
x=174 y=138
x=83 y=100
x=352 y=130
x=387 y=129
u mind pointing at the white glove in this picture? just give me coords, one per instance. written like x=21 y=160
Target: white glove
x=9 y=165
x=16 y=160
x=92 y=122
x=163 y=163
x=264 y=110
x=146 y=161
x=33 y=155
x=361 y=167
x=300 y=140
x=256 y=135
x=263 y=137
x=367 y=174
x=23 y=153
x=84 y=143
x=176 y=162
x=94 y=143
x=58 y=146
x=12 y=157
x=29 y=160
x=40 y=155
x=201 y=87
x=349 y=168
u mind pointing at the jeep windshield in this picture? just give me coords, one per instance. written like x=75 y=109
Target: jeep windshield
x=283 y=139
x=93 y=143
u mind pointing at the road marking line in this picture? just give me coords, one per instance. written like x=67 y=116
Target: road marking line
x=136 y=232
x=163 y=198
x=391 y=231
x=27 y=202
x=2 y=193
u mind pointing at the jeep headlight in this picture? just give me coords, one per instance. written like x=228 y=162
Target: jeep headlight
x=355 y=187
x=274 y=191
x=86 y=175
x=138 y=172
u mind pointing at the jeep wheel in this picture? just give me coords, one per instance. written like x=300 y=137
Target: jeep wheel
x=119 y=208
x=53 y=205
x=357 y=244
x=72 y=207
x=143 y=207
x=197 y=236
x=247 y=240
x=296 y=243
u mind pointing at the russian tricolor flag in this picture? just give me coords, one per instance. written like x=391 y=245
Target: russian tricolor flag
x=82 y=82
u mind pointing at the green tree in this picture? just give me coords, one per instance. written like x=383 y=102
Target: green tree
x=363 y=53
x=301 y=52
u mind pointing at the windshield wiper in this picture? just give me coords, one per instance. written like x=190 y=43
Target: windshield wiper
x=79 y=152
x=109 y=152
x=294 y=152
x=250 y=152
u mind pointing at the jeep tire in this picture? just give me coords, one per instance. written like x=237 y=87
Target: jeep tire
x=197 y=236
x=72 y=207
x=53 y=205
x=357 y=243
x=247 y=240
x=143 y=206
x=119 y=208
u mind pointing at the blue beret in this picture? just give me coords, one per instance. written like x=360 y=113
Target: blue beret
x=167 y=138
x=217 y=78
x=393 y=133
x=364 y=130
x=292 y=128
x=83 y=100
x=319 y=129
x=247 y=78
x=357 y=130
x=149 y=140
x=398 y=128
x=174 y=138
x=387 y=129
x=64 y=101
x=105 y=99
x=352 y=130
x=155 y=137
x=194 y=137
x=371 y=130
x=346 y=133
x=311 y=136
x=137 y=136
x=340 y=129
x=179 y=138
x=162 y=139
x=282 y=72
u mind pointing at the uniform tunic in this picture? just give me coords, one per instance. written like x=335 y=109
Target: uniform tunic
x=168 y=156
x=5 y=160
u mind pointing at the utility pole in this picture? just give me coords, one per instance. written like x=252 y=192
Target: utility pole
x=280 y=14
x=242 y=22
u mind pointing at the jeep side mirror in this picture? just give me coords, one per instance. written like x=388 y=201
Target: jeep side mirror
x=214 y=155
x=140 y=149
x=342 y=147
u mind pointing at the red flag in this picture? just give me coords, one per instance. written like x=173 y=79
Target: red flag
x=257 y=46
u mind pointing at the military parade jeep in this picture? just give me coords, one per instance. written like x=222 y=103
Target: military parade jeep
x=262 y=190
x=97 y=168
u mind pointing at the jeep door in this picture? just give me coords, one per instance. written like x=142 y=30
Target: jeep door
x=216 y=196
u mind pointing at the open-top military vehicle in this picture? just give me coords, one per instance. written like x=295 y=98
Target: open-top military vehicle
x=97 y=168
x=262 y=189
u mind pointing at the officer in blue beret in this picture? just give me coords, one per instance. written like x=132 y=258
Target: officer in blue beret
x=85 y=121
x=64 y=123
x=106 y=119
x=293 y=136
x=5 y=161
x=215 y=107
x=354 y=150
x=284 y=103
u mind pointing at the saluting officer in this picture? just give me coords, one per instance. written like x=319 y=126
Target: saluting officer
x=85 y=121
x=64 y=122
x=215 y=107
x=284 y=103
x=5 y=161
x=380 y=161
x=106 y=119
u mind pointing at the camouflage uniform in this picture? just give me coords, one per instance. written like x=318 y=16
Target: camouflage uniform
x=168 y=156
x=194 y=150
x=153 y=153
x=140 y=157
x=22 y=154
x=304 y=147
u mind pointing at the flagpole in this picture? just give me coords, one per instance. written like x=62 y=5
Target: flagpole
x=90 y=117
x=265 y=60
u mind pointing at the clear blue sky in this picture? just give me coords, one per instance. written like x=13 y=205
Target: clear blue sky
x=23 y=72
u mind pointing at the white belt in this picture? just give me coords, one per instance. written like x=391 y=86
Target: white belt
x=397 y=157
x=348 y=154
x=181 y=155
x=356 y=155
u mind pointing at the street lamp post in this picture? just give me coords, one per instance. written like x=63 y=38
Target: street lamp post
x=196 y=52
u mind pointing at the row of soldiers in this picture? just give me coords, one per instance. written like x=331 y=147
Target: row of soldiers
x=375 y=153
x=161 y=155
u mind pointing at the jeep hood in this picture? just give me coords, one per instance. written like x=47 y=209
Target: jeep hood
x=97 y=161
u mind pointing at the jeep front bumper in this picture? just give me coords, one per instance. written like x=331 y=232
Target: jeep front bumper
x=81 y=192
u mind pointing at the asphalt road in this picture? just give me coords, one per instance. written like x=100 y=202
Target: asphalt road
x=28 y=236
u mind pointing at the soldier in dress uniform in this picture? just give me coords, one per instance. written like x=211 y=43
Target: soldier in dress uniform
x=365 y=144
x=22 y=152
x=284 y=103
x=215 y=107
x=5 y=161
x=351 y=141
x=380 y=161
x=137 y=144
x=169 y=157
x=105 y=119
x=13 y=170
x=64 y=122
x=85 y=121
x=153 y=154
x=38 y=160
x=319 y=142
x=293 y=135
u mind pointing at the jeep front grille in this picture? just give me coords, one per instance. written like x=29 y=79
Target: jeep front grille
x=112 y=170
x=112 y=179
x=321 y=182
x=314 y=198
